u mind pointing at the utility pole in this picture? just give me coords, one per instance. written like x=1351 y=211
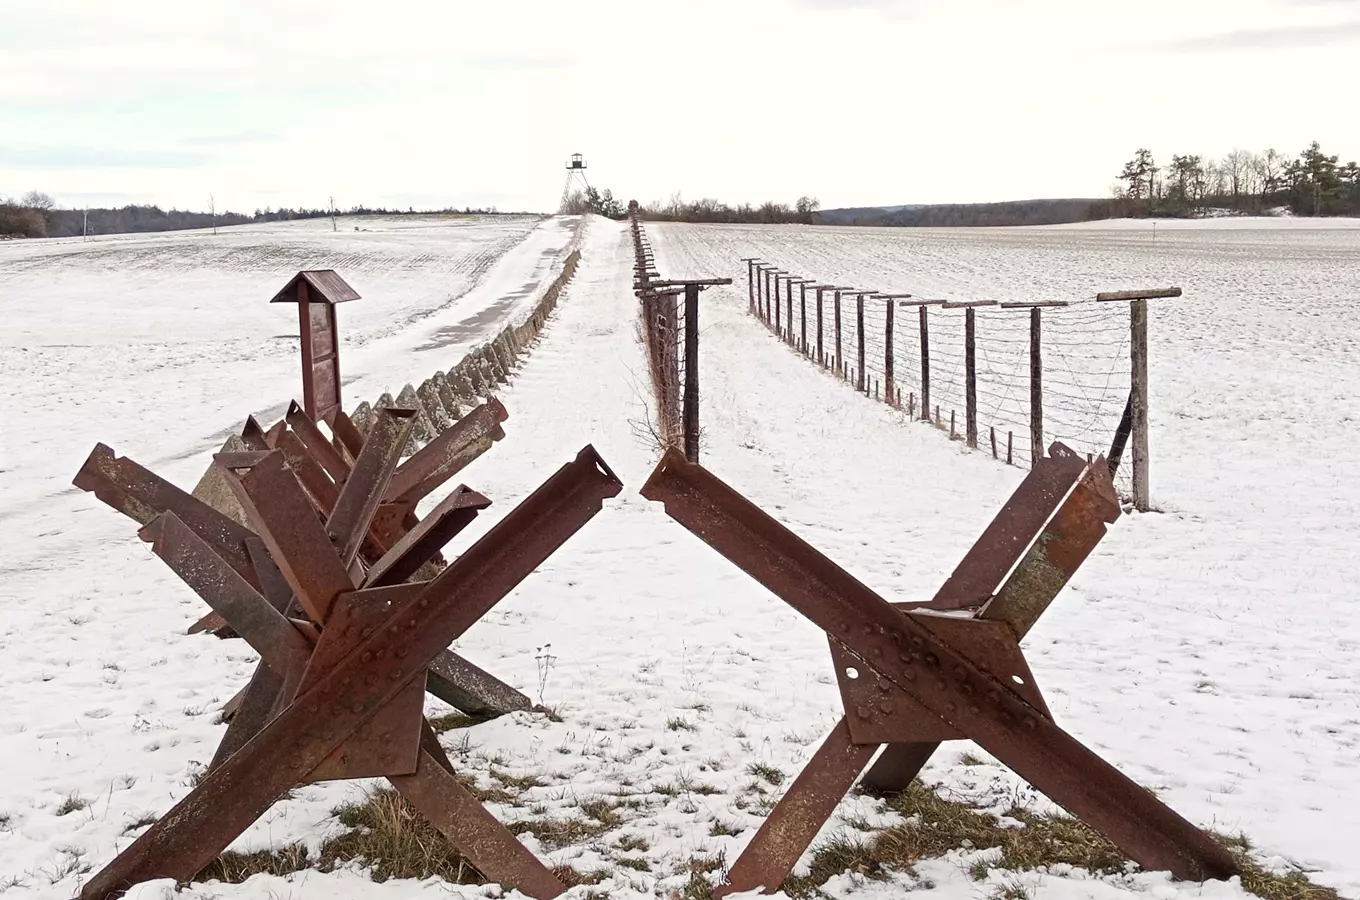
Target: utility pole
x=85 y=229
x=333 y=227
x=212 y=211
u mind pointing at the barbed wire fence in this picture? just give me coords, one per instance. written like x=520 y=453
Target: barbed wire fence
x=1005 y=378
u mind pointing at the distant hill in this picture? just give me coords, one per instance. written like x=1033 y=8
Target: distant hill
x=1010 y=212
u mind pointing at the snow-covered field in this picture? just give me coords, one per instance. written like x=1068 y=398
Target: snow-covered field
x=1206 y=651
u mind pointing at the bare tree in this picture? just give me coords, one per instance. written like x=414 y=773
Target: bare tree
x=1235 y=167
x=37 y=200
x=1269 y=171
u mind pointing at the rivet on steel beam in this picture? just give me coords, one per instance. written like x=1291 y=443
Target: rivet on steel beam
x=862 y=712
x=951 y=706
x=909 y=675
x=357 y=708
x=401 y=652
x=367 y=657
x=371 y=679
x=939 y=684
x=395 y=674
x=932 y=659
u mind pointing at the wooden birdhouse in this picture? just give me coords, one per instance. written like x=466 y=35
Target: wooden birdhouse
x=316 y=294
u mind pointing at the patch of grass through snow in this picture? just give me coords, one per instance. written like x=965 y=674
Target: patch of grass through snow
x=935 y=825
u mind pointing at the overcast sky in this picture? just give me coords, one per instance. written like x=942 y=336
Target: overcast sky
x=856 y=102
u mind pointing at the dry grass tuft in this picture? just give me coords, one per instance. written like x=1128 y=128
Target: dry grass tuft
x=935 y=825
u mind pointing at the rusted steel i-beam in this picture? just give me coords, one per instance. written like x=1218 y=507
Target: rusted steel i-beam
x=368 y=675
x=945 y=681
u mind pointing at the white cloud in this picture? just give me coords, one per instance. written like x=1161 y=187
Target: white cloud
x=855 y=101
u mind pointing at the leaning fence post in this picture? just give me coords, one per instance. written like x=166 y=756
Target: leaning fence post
x=1036 y=391
x=888 y=354
x=925 y=365
x=1138 y=351
x=788 y=336
x=860 y=384
x=970 y=369
x=1121 y=437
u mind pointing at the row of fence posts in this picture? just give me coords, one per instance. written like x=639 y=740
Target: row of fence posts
x=677 y=407
x=771 y=299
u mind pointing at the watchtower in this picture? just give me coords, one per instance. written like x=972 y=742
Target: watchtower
x=576 y=179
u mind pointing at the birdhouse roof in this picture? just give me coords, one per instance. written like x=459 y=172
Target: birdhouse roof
x=327 y=284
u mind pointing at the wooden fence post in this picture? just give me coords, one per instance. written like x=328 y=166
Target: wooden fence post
x=970 y=369
x=821 y=355
x=838 y=367
x=1036 y=391
x=788 y=336
x=1138 y=323
x=750 y=283
x=925 y=365
x=861 y=384
x=776 y=305
x=888 y=392
x=691 y=401
x=802 y=318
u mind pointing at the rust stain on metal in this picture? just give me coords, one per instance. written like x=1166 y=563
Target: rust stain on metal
x=454 y=513
x=791 y=826
x=288 y=524
x=142 y=495
x=358 y=502
x=448 y=453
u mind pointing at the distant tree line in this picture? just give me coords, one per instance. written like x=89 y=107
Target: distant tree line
x=1311 y=184
x=949 y=215
x=803 y=211
x=36 y=215
x=603 y=203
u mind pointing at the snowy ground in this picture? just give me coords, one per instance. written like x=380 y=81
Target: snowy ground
x=1186 y=651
